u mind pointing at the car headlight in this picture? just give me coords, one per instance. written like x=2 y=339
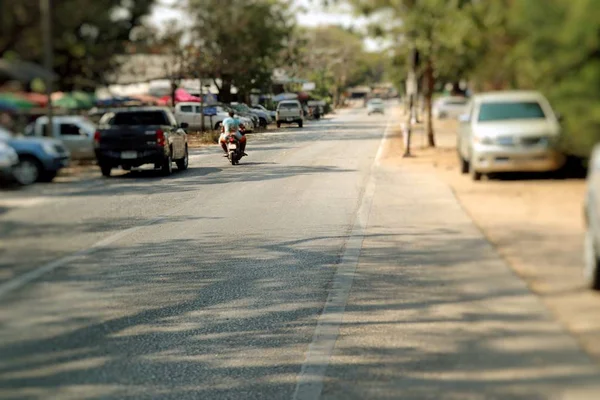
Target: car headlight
x=49 y=148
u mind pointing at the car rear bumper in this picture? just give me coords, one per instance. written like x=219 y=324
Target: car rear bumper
x=115 y=158
x=498 y=160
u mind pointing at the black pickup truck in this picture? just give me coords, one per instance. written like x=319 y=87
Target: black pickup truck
x=133 y=137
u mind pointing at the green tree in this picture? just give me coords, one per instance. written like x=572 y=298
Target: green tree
x=240 y=42
x=86 y=36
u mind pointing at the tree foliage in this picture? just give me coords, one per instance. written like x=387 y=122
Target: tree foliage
x=86 y=35
x=240 y=42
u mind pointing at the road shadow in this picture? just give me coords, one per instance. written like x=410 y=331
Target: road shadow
x=188 y=319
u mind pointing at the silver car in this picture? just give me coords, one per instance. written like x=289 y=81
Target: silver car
x=592 y=219
x=8 y=161
x=375 y=106
x=513 y=131
x=450 y=107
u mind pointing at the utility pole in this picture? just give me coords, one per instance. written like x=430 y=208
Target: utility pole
x=411 y=92
x=46 y=20
x=201 y=107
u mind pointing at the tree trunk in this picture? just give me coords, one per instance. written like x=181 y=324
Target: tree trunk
x=428 y=101
x=225 y=91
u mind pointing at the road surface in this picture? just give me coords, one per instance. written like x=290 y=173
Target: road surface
x=316 y=269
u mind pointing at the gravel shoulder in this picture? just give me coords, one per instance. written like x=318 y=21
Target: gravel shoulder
x=534 y=222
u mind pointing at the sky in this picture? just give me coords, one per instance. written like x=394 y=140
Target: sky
x=317 y=15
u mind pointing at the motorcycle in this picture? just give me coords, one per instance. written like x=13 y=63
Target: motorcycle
x=234 y=152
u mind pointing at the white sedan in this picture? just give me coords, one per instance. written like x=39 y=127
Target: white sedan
x=450 y=107
x=512 y=131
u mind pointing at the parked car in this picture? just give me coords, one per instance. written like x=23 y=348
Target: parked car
x=375 y=106
x=136 y=136
x=40 y=159
x=74 y=131
x=263 y=118
x=289 y=112
x=189 y=113
x=450 y=107
x=591 y=270
x=9 y=159
x=250 y=121
x=513 y=131
x=271 y=113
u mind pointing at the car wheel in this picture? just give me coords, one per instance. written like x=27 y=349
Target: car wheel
x=105 y=169
x=27 y=171
x=475 y=175
x=182 y=164
x=263 y=123
x=167 y=166
x=592 y=264
x=217 y=126
x=464 y=165
x=279 y=124
x=300 y=124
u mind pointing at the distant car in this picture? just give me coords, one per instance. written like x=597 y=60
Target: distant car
x=9 y=159
x=271 y=113
x=375 y=106
x=290 y=112
x=591 y=270
x=512 y=131
x=74 y=131
x=133 y=137
x=40 y=159
x=450 y=107
x=264 y=118
x=189 y=113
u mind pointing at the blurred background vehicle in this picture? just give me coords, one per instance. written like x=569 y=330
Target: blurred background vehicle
x=375 y=106
x=290 y=112
x=264 y=118
x=40 y=159
x=190 y=114
x=9 y=159
x=271 y=113
x=450 y=107
x=512 y=131
x=147 y=135
x=74 y=131
x=591 y=270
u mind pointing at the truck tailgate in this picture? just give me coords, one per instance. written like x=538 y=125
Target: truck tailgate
x=123 y=138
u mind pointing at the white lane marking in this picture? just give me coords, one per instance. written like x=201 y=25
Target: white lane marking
x=312 y=374
x=30 y=276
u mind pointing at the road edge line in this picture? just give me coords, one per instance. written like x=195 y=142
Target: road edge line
x=310 y=380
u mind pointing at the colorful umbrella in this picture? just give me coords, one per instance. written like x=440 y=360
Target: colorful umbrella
x=16 y=101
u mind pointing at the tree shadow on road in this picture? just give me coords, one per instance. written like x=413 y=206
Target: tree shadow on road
x=191 y=319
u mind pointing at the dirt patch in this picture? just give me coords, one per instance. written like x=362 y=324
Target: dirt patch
x=534 y=221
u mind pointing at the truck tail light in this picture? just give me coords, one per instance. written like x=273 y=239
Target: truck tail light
x=97 y=137
x=160 y=137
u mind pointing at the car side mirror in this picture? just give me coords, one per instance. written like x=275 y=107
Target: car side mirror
x=464 y=119
x=184 y=125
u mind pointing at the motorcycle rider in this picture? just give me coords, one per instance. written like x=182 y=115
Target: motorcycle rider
x=232 y=126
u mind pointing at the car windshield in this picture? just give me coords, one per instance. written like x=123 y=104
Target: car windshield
x=140 y=118
x=289 y=106
x=510 y=110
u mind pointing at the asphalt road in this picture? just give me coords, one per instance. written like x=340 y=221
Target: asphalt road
x=212 y=285
x=308 y=271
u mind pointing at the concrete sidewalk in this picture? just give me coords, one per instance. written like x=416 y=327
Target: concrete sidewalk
x=434 y=313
